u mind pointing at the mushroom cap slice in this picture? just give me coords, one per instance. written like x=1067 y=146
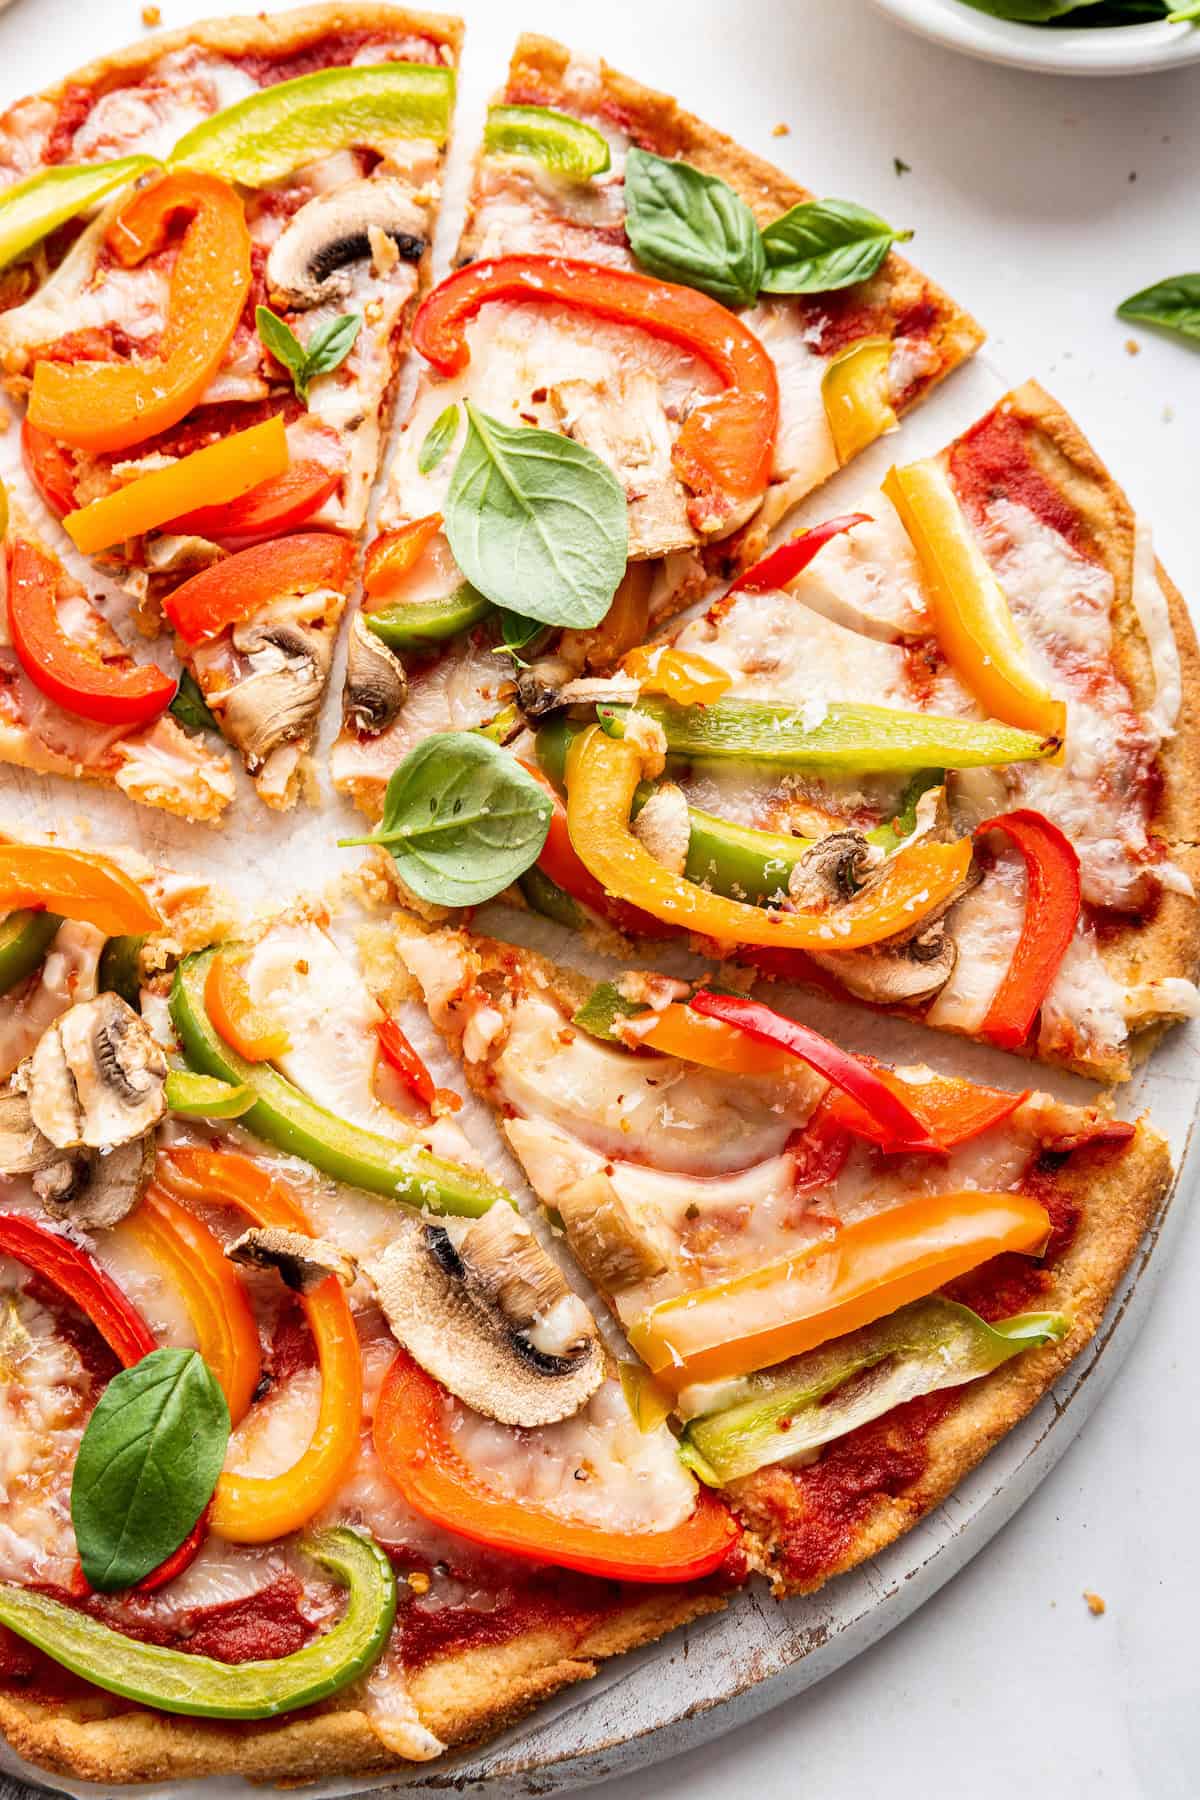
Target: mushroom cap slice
x=23 y=1148
x=279 y=699
x=302 y=1262
x=376 y=684
x=93 y=1189
x=96 y=1076
x=310 y=260
x=896 y=973
x=492 y=1319
x=833 y=871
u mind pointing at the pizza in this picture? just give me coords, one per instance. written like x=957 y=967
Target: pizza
x=209 y=361
x=396 y=1322
x=513 y=332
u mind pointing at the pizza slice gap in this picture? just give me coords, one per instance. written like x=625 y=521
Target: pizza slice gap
x=847 y=1280
x=295 y=1175
x=717 y=406
x=953 y=731
x=211 y=359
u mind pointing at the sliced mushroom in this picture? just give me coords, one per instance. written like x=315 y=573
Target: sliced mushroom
x=96 y=1189
x=279 y=699
x=895 y=974
x=832 y=871
x=96 y=1076
x=614 y=1247
x=492 y=1319
x=23 y=1148
x=311 y=259
x=376 y=684
x=664 y=827
x=301 y=1262
x=539 y=686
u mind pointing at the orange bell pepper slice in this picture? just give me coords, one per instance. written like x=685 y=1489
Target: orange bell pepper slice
x=970 y=612
x=219 y=472
x=416 y=1446
x=623 y=626
x=92 y=889
x=268 y=509
x=49 y=468
x=952 y=1109
x=194 y=1260
x=685 y=677
x=103 y=684
x=250 y=1031
x=724 y=449
x=559 y=861
x=390 y=557
x=602 y=776
x=1052 y=901
x=863 y=1272
x=854 y=390
x=254 y=1509
x=100 y=406
x=227 y=592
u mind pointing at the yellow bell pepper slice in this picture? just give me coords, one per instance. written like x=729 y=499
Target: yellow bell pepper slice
x=858 y=405
x=602 y=776
x=220 y=472
x=863 y=1272
x=682 y=675
x=970 y=612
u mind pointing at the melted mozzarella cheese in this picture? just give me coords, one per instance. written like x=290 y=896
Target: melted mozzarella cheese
x=45 y=1398
x=463 y=688
x=804 y=450
x=1150 y=604
x=1084 y=1012
x=869 y=579
x=986 y=925
x=68 y=974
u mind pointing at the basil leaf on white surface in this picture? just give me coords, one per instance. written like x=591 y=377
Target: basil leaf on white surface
x=438 y=439
x=537 y=522
x=147 y=1466
x=328 y=347
x=822 y=245
x=461 y=819
x=690 y=227
x=1174 y=304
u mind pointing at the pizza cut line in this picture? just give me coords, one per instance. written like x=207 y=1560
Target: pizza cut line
x=422 y=1455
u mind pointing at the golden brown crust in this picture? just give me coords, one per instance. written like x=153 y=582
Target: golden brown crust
x=462 y=1698
x=1120 y=1193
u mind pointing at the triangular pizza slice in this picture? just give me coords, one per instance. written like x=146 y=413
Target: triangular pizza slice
x=687 y=318
x=846 y=1280
x=214 y=244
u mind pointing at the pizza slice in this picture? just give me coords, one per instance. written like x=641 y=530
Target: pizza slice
x=213 y=245
x=75 y=703
x=935 y=755
x=230 y=1178
x=846 y=1281
x=690 y=322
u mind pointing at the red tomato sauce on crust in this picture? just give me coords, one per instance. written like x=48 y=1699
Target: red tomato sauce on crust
x=333 y=52
x=992 y=461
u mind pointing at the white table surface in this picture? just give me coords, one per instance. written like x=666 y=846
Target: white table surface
x=1039 y=203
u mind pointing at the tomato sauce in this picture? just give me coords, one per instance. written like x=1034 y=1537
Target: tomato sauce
x=334 y=52
x=73 y=109
x=992 y=461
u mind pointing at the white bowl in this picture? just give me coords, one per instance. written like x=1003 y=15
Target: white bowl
x=1056 y=50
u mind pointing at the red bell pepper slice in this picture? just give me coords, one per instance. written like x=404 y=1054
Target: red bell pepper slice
x=61 y=1261
x=49 y=468
x=1052 y=899
x=723 y=452
x=390 y=557
x=416 y=1446
x=274 y=507
x=903 y=1129
x=560 y=862
x=227 y=592
x=820 y=1149
x=952 y=1109
x=106 y=685
x=775 y=570
x=404 y=1059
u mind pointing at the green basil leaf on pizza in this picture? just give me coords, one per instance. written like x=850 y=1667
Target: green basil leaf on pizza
x=537 y=522
x=147 y=1466
x=326 y=350
x=690 y=227
x=438 y=439
x=822 y=245
x=461 y=819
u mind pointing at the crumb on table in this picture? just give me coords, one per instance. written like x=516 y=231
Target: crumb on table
x=1095 y=1604
x=1132 y=346
x=781 y=130
x=151 y=15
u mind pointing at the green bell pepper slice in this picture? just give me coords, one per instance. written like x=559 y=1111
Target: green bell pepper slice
x=35 y=207
x=25 y=938
x=178 y=1682
x=546 y=897
x=271 y=133
x=562 y=144
x=822 y=1395
x=850 y=739
x=119 y=970
x=424 y=624
x=205 y=1097
x=283 y=1116
x=604 y=1007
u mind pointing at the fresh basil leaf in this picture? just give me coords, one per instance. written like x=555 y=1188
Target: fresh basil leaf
x=461 y=819
x=536 y=522
x=1174 y=304
x=189 y=705
x=517 y=633
x=821 y=245
x=147 y=1466
x=691 y=227
x=438 y=439
x=279 y=338
x=330 y=345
